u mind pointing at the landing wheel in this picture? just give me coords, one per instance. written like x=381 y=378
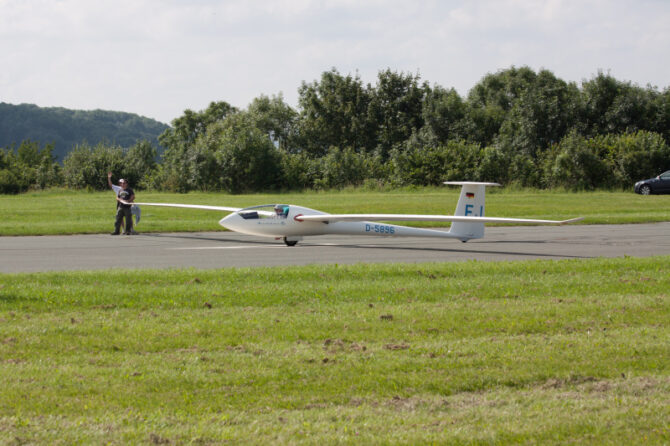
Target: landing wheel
x=290 y=242
x=645 y=190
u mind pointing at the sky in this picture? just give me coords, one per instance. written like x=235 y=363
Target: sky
x=159 y=58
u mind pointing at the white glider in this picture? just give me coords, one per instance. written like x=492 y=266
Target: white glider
x=291 y=223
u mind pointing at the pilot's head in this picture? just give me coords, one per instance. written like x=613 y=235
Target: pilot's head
x=279 y=209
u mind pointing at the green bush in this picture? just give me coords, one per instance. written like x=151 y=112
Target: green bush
x=9 y=183
x=341 y=168
x=423 y=166
x=577 y=163
x=300 y=171
x=29 y=167
x=493 y=165
x=639 y=155
x=87 y=167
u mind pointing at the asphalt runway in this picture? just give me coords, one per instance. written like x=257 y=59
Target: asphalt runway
x=226 y=249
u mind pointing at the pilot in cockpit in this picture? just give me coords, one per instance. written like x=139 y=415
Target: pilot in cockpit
x=281 y=211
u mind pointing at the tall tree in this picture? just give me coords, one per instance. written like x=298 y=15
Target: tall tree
x=178 y=170
x=396 y=108
x=542 y=114
x=186 y=129
x=247 y=159
x=277 y=119
x=661 y=118
x=445 y=115
x=613 y=106
x=493 y=97
x=139 y=162
x=333 y=112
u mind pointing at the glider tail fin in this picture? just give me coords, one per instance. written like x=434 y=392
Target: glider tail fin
x=471 y=203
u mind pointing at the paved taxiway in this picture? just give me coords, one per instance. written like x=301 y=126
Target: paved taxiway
x=226 y=249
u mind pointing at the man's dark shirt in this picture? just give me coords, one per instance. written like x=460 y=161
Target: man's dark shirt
x=125 y=195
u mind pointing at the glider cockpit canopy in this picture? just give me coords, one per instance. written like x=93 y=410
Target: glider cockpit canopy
x=264 y=211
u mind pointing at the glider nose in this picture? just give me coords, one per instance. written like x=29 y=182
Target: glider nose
x=229 y=221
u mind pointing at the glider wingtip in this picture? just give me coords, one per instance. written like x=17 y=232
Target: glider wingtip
x=572 y=220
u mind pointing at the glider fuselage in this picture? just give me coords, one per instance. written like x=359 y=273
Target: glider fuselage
x=252 y=222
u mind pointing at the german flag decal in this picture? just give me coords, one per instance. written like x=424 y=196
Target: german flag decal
x=470 y=195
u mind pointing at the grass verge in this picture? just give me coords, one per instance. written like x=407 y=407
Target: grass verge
x=549 y=352
x=76 y=212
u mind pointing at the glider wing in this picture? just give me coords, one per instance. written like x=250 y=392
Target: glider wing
x=418 y=217
x=189 y=206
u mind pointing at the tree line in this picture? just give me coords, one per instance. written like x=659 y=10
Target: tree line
x=516 y=126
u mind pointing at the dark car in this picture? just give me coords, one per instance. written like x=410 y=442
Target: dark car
x=658 y=185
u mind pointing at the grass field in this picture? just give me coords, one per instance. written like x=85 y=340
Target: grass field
x=542 y=352
x=72 y=212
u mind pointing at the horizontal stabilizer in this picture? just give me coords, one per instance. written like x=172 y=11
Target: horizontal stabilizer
x=470 y=183
x=418 y=217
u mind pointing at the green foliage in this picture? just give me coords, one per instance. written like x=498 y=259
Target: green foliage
x=661 y=114
x=578 y=163
x=445 y=115
x=241 y=151
x=339 y=111
x=612 y=106
x=523 y=171
x=639 y=155
x=493 y=97
x=545 y=110
x=87 y=167
x=516 y=126
x=276 y=118
x=9 y=182
x=582 y=163
x=65 y=129
x=423 y=166
x=187 y=128
x=494 y=165
x=396 y=108
x=139 y=163
x=29 y=167
x=343 y=167
x=334 y=113
x=184 y=166
x=246 y=158
x=300 y=170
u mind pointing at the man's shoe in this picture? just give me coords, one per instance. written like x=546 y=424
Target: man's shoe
x=126 y=233
x=115 y=233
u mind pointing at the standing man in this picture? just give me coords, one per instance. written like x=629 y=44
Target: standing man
x=123 y=194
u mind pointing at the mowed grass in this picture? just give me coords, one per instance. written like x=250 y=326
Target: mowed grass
x=77 y=212
x=541 y=352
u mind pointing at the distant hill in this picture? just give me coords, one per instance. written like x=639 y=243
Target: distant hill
x=67 y=128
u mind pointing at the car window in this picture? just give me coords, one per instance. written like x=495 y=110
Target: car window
x=666 y=175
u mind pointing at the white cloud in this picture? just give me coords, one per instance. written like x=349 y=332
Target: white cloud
x=157 y=58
